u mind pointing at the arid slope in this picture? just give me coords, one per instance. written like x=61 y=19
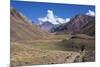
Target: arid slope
x=23 y=29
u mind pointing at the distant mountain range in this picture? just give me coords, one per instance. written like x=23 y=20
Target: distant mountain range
x=78 y=24
x=23 y=29
x=47 y=26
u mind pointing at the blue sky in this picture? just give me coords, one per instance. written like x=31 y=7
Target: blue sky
x=34 y=10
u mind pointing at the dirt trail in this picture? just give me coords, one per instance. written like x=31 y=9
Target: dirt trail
x=72 y=58
x=44 y=41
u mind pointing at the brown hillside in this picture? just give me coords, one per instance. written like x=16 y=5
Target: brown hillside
x=23 y=29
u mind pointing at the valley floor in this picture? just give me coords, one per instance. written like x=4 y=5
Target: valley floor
x=37 y=52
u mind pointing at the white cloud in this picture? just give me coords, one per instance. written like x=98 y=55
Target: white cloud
x=60 y=20
x=90 y=13
x=50 y=17
x=67 y=19
x=42 y=19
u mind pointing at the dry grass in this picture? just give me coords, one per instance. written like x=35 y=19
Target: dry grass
x=50 y=51
x=76 y=43
x=22 y=54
